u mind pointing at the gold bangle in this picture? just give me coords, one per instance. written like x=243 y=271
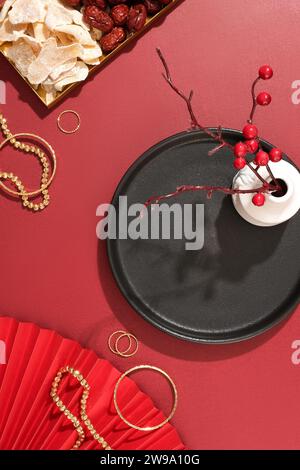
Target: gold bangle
x=45 y=185
x=113 y=350
x=146 y=428
x=71 y=131
x=126 y=353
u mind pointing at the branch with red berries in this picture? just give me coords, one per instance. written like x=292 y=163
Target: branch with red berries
x=247 y=153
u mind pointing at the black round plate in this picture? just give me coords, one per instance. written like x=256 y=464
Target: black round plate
x=246 y=278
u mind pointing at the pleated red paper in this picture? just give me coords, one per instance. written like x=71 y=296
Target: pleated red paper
x=30 y=420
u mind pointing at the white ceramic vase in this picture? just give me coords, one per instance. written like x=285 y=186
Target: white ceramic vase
x=276 y=210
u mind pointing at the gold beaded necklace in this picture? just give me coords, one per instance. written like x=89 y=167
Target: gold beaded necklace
x=63 y=371
x=46 y=179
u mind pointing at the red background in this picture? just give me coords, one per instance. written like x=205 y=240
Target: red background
x=52 y=272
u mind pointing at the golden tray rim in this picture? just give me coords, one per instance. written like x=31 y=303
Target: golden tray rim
x=103 y=60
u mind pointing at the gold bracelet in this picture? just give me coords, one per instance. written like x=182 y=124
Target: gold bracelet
x=83 y=405
x=15 y=180
x=44 y=185
x=74 y=113
x=146 y=428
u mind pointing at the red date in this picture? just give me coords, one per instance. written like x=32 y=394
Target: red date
x=119 y=14
x=115 y=18
x=98 y=19
x=137 y=18
x=70 y=3
x=153 y=6
x=117 y=2
x=110 y=41
x=98 y=3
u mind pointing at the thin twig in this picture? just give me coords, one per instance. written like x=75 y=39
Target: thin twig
x=273 y=178
x=194 y=121
x=188 y=100
x=217 y=137
x=254 y=102
x=209 y=190
x=255 y=171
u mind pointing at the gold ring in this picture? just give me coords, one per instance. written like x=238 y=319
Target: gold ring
x=113 y=350
x=45 y=185
x=74 y=113
x=146 y=428
x=123 y=353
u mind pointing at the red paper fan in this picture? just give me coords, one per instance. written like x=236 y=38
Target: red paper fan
x=30 y=420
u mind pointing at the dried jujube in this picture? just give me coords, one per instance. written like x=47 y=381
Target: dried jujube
x=117 y=2
x=98 y=18
x=110 y=41
x=70 y=3
x=119 y=14
x=115 y=18
x=137 y=17
x=102 y=4
x=153 y=6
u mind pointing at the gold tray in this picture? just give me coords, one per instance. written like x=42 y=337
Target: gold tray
x=103 y=60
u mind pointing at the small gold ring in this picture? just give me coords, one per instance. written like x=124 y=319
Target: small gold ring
x=113 y=349
x=146 y=428
x=71 y=131
x=123 y=353
x=44 y=186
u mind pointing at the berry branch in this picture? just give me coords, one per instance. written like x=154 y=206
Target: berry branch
x=263 y=98
x=208 y=189
x=254 y=102
x=188 y=100
x=251 y=145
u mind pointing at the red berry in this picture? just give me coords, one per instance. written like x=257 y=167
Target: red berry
x=239 y=163
x=265 y=72
x=240 y=149
x=262 y=158
x=263 y=98
x=250 y=131
x=252 y=145
x=259 y=199
x=275 y=155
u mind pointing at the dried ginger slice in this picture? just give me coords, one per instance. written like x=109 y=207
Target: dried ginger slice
x=22 y=55
x=27 y=11
x=50 y=57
